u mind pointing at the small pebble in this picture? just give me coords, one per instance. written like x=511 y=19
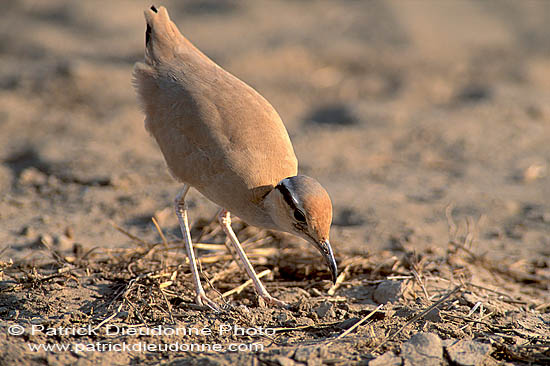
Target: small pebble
x=324 y=309
x=468 y=353
x=422 y=349
x=388 y=291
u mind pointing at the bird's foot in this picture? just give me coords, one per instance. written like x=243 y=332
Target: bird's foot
x=269 y=300
x=203 y=300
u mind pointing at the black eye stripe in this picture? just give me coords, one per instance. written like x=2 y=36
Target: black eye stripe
x=286 y=195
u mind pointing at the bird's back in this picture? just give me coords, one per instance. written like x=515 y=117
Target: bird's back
x=216 y=133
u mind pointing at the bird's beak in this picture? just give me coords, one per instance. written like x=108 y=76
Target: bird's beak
x=326 y=251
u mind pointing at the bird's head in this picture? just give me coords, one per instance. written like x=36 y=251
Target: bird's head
x=300 y=205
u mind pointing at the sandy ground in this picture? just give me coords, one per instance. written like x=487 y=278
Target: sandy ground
x=428 y=122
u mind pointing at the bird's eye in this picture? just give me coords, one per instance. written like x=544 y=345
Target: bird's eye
x=299 y=216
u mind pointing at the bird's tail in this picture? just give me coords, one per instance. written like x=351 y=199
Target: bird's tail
x=164 y=44
x=162 y=37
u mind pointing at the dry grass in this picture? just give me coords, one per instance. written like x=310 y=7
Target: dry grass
x=467 y=295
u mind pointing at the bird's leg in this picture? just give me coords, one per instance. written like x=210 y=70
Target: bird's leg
x=224 y=217
x=181 y=212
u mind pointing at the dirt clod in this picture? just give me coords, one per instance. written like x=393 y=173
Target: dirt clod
x=324 y=309
x=422 y=349
x=468 y=353
x=388 y=291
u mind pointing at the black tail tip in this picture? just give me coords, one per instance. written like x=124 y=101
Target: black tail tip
x=148 y=30
x=147 y=35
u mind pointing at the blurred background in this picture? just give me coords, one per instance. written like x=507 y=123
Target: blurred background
x=423 y=119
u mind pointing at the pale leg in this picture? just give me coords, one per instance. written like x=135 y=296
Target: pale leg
x=225 y=220
x=181 y=212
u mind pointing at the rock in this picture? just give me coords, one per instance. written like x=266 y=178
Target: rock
x=387 y=359
x=388 y=291
x=323 y=309
x=468 y=353
x=423 y=349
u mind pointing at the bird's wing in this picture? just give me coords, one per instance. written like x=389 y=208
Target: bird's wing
x=212 y=128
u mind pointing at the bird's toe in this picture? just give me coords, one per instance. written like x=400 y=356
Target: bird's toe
x=203 y=300
x=271 y=301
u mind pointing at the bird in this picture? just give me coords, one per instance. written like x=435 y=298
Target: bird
x=221 y=137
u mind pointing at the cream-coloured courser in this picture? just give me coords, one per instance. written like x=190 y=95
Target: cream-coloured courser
x=221 y=137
